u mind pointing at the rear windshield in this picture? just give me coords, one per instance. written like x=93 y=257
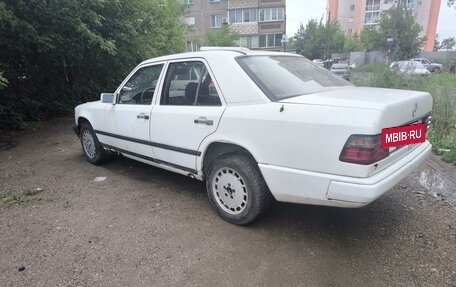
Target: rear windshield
x=281 y=77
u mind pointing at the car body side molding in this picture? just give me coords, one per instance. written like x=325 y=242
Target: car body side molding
x=154 y=144
x=150 y=158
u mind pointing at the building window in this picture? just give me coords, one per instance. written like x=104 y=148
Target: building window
x=216 y=21
x=351 y=20
x=189 y=2
x=248 y=41
x=242 y=15
x=270 y=40
x=411 y=4
x=190 y=22
x=214 y=1
x=271 y=14
x=372 y=5
x=371 y=18
x=352 y=7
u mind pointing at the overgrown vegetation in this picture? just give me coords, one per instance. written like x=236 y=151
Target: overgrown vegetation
x=221 y=37
x=9 y=198
x=17 y=197
x=55 y=54
x=442 y=87
x=318 y=39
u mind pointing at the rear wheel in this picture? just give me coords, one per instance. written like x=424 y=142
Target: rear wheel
x=236 y=189
x=93 y=151
x=436 y=70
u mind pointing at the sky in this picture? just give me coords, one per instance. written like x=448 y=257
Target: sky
x=303 y=10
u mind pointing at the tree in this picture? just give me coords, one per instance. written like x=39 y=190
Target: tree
x=436 y=43
x=451 y=3
x=352 y=43
x=372 y=39
x=448 y=43
x=222 y=37
x=58 y=53
x=400 y=25
x=317 y=40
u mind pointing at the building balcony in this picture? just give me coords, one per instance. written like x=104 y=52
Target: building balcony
x=372 y=8
x=271 y=3
x=249 y=28
x=239 y=4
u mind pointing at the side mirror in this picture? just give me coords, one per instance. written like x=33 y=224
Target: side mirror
x=107 y=98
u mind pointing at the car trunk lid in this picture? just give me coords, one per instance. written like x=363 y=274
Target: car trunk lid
x=399 y=107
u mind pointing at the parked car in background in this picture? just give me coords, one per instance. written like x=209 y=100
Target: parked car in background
x=319 y=62
x=431 y=67
x=342 y=70
x=409 y=67
x=257 y=125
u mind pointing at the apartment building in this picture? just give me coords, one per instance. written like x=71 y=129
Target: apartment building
x=260 y=23
x=354 y=15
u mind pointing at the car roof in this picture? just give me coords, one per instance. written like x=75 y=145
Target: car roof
x=235 y=86
x=223 y=52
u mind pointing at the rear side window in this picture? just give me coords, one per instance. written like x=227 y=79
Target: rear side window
x=189 y=84
x=281 y=77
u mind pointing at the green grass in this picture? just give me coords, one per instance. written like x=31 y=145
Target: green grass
x=31 y=192
x=9 y=198
x=13 y=198
x=442 y=87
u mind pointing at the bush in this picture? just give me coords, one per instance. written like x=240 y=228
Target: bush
x=56 y=54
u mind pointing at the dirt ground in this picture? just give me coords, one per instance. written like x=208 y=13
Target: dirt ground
x=142 y=226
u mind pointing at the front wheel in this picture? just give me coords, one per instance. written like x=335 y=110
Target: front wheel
x=236 y=189
x=436 y=70
x=93 y=151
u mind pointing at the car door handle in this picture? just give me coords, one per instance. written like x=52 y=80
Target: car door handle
x=204 y=121
x=142 y=116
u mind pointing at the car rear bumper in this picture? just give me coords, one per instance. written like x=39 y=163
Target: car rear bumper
x=297 y=186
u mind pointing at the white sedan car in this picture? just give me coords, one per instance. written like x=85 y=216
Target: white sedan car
x=409 y=68
x=256 y=126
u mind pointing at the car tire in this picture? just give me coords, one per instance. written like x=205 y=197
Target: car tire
x=91 y=147
x=436 y=70
x=236 y=188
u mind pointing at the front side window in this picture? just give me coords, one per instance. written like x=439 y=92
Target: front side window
x=189 y=84
x=140 y=88
x=281 y=77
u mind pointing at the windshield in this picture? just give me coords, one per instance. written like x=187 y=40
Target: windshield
x=281 y=77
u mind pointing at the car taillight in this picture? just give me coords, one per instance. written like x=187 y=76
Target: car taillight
x=363 y=149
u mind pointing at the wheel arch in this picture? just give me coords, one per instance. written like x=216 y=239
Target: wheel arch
x=218 y=148
x=80 y=120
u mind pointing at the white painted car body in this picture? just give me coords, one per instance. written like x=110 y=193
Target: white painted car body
x=296 y=142
x=410 y=67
